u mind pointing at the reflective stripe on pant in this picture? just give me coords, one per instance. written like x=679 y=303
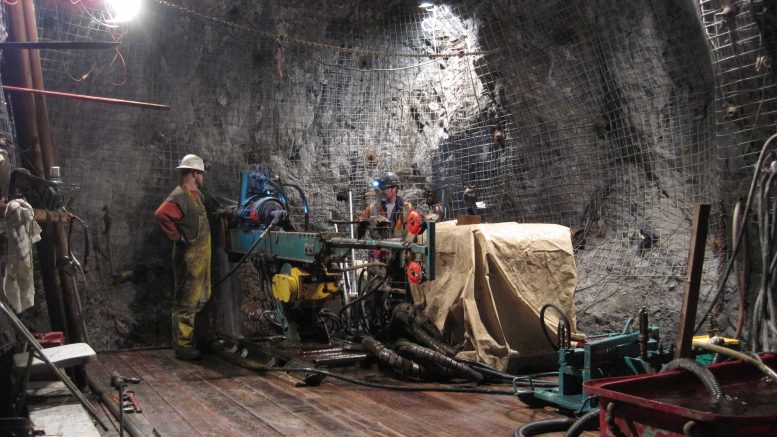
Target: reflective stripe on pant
x=191 y=270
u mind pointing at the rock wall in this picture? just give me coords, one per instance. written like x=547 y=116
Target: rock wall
x=597 y=115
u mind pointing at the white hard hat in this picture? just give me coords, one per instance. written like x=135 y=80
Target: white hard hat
x=193 y=162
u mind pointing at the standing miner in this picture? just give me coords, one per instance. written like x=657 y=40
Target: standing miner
x=393 y=206
x=183 y=219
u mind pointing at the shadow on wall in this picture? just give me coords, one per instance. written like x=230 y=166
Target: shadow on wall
x=143 y=295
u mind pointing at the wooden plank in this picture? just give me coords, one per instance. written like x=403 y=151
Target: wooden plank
x=375 y=417
x=157 y=413
x=214 y=397
x=183 y=385
x=283 y=416
x=505 y=413
x=701 y=216
x=332 y=401
x=299 y=402
x=42 y=215
x=433 y=412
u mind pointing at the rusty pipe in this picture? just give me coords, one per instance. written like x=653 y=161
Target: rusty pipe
x=64 y=286
x=26 y=118
x=88 y=98
x=42 y=113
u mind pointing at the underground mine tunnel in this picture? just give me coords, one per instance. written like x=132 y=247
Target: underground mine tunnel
x=356 y=217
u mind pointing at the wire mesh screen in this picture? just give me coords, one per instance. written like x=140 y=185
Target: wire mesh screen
x=7 y=133
x=743 y=42
x=602 y=115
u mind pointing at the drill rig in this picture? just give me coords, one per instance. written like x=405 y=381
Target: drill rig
x=302 y=291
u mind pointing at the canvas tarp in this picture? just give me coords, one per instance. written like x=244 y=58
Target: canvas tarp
x=491 y=282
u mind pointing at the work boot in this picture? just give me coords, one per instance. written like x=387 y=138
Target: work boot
x=188 y=354
x=210 y=345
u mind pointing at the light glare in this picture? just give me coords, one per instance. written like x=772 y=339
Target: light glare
x=122 y=11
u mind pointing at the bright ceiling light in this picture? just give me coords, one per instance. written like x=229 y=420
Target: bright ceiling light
x=426 y=5
x=122 y=11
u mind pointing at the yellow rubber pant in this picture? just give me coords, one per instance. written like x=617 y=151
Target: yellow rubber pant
x=191 y=272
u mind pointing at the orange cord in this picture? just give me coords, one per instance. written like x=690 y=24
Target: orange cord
x=118 y=56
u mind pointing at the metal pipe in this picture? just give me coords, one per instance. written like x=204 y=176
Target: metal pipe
x=24 y=113
x=36 y=74
x=47 y=260
x=346 y=295
x=60 y=45
x=331 y=350
x=88 y=98
x=361 y=266
x=353 y=235
x=73 y=315
x=366 y=244
x=339 y=359
x=18 y=72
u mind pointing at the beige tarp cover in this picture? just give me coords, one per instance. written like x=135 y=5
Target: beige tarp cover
x=491 y=281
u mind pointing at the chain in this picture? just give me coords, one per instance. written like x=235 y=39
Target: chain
x=284 y=39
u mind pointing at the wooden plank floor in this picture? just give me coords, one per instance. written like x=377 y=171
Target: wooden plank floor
x=212 y=397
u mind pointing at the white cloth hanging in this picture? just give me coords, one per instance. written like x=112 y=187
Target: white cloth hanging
x=22 y=233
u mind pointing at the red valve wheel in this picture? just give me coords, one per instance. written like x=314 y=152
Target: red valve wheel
x=253 y=214
x=414 y=273
x=414 y=222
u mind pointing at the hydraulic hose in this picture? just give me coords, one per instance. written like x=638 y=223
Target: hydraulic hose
x=764 y=303
x=85 y=228
x=415 y=325
x=487 y=371
x=609 y=419
x=564 y=318
x=587 y=422
x=543 y=427
x=740 y=232
x=756 y=361
x=742 y=260
x=705 y=376
x=392 y=359
x=305 y=208
x=363 y=296
x=428 y=340
x=434 y=360
x=518 y=380
x=253 y=365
